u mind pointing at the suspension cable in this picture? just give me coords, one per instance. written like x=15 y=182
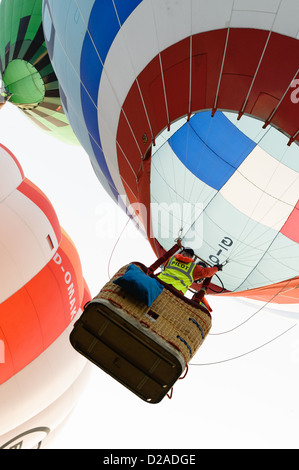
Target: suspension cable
x=116 y=243
x=255 y=313
x=248 y=352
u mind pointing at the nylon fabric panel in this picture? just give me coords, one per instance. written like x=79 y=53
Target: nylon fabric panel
x=220 y=230
x=173 y=189
x=103 y=35
x=272 y=142
x=253 y=191
x=24 y=243
x=91 y=57
x=19 y=320
x=33 y=193
x=38 y=313
x=211 y=148
x=290 y=228
x=12 y=170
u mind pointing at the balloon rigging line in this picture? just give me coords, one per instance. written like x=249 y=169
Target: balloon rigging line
x=161 y=66
x=255 y=313
x=189 y=101
x=185 y=165
x=211 y=334
x=281 y=99
x=175 y=190
x=200 y=157
x=163 y=177
x=144 y=107
x=207 y=138
x=223 y=332
x=137 y=82
x=178 y=196
x=116 y=243
x=239 y=252
x=164 y=90
x=190 y=70
x=236 y=250
x=190 y=63
x=223 y=60
x=261 y=258
x=257 y=69
x=198 y=165
x=242 y=257
x=163 y=82
x=211 y=169
x=174 y=178
x=248 y=352
x=88 y=94
x=260 y=61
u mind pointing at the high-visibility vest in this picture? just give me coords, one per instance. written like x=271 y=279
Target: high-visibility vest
x=178 y=274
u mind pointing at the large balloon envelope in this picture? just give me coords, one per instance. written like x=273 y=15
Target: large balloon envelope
x=42 y=293
x=27 y=75
x=217 y=81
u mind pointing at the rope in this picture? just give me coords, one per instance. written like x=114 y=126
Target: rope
x=169 y=395
x=241 y=324
x=116 y=243
x=248 y=352
x=255 y=313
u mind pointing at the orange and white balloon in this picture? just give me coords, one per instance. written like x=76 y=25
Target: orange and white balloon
x=42 y=292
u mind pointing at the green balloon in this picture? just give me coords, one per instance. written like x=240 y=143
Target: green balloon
x=26 y=71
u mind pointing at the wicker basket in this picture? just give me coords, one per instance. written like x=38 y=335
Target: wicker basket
x=176 y=320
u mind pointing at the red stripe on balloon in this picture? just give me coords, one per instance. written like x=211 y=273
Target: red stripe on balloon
x=14 y=159
x=245 y=84
x=40 y=199
x=290 y=228
x=33 y=318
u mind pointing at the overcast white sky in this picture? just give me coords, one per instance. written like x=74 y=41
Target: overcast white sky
x=250 y=402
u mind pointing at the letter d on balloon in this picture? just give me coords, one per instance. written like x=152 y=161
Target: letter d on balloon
x=2 y=352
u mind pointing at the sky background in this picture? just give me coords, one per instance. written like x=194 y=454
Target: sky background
x=249 y=402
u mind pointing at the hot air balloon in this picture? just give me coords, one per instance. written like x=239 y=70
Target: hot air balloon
x=42 y=294
x=188 y=111
x=28 y=78
x=220 y=79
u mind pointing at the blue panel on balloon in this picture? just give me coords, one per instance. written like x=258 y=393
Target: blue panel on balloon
x=124 y=9
x=212 y=148
x=103 y=27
